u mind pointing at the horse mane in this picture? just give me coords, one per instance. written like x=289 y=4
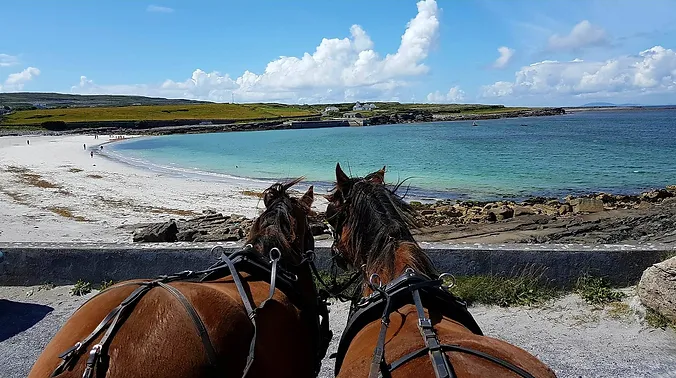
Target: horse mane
x=379 y=223
x=275 y=227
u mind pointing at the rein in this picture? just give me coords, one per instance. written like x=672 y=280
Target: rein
x=247 y=260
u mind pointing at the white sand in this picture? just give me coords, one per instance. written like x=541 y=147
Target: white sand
x=123 y=195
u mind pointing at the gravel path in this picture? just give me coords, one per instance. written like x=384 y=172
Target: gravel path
x=576 y=340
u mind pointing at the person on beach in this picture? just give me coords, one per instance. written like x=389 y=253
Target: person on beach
x=91 y=153
x=101 y=146
x=84 y=146
x=28 y=142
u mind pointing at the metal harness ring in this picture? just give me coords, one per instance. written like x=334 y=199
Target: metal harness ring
x=373 y=278
x=275 y=254
x=451 y=283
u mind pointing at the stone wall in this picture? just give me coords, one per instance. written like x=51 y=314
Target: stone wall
x=34 y=264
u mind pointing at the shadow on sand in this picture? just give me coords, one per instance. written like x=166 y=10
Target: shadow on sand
x=16 y=317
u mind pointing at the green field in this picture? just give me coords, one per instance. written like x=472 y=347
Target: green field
x=70 y=111
x=206 y=112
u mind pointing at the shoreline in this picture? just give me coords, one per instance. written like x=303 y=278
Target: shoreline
x=413 y=193
x=53 y=190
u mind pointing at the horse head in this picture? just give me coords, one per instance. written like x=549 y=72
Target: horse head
x=372 y=226
x=284 y=223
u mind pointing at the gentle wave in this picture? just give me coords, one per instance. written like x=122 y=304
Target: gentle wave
x=623 y=152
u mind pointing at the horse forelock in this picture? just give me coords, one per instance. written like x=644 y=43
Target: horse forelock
x=376 y=229
x=277 y=225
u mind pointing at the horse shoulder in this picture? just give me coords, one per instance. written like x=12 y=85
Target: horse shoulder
x=451 y=332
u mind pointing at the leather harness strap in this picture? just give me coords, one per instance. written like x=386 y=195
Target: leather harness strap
x=226 y=266
x=379 y=353
x=442 y=369
x=197 y=321
x=413 y=283
x=248 y=305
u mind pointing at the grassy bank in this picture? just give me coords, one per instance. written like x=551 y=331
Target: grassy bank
x=234 y=112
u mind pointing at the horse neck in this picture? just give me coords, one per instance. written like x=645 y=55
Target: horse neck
x=407 y=254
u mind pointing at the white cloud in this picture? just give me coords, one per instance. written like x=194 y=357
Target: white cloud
x=582 y=35
x=506 y=55
x=159 y=9
x=8 y=60
x=338 y=69
x=455 y=94
x=16 y=81
x=651 y=71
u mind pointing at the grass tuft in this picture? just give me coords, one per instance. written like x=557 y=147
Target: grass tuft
x=106 y=284
x=657 y=320
x=596 y=291
x=75 y=170
x=524 y=289
x=95 y=176
x=81 y=288
x=46 y=286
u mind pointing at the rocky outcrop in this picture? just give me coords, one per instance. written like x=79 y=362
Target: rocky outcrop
x=211 y=227
x=156 y=233
x=401 y=117
x=586 y=205
x=499 y=114
x=657 y=288
x=450 y=212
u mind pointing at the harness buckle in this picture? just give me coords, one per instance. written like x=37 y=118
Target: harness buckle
x=424 y=323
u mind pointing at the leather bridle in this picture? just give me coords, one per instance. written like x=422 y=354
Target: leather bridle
x=246 y=260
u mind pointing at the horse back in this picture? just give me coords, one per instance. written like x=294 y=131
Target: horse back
x=403 y=337
x=159 y=338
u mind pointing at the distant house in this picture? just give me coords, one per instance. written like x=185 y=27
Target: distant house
x=40 y=106
x=358 y=106
x=352 y=115
x=3 y=111
x=330 y=109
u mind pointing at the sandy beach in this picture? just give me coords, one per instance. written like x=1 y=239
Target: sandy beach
x=54 y=190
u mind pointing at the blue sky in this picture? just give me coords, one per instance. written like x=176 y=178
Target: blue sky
x=526 y=52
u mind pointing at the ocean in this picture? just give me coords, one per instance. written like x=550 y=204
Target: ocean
x=577 y=153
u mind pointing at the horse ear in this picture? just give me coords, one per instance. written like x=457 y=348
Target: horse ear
x=341 y=178
x=308 y=197
x=378 y=176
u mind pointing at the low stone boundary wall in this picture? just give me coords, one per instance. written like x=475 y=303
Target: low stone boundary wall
x=34 y=264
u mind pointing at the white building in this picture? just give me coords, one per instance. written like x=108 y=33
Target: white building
x=358 y=106
x=330 y=109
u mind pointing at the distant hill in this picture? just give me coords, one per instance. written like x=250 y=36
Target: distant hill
x=53 y=100
x=607 y=104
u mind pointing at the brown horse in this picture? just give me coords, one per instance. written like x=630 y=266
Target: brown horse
x=161 y=336
x=425 y=331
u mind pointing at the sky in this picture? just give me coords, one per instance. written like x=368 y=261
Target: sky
x=517 y=52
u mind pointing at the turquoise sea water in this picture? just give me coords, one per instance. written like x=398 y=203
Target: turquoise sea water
x=619 y=152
